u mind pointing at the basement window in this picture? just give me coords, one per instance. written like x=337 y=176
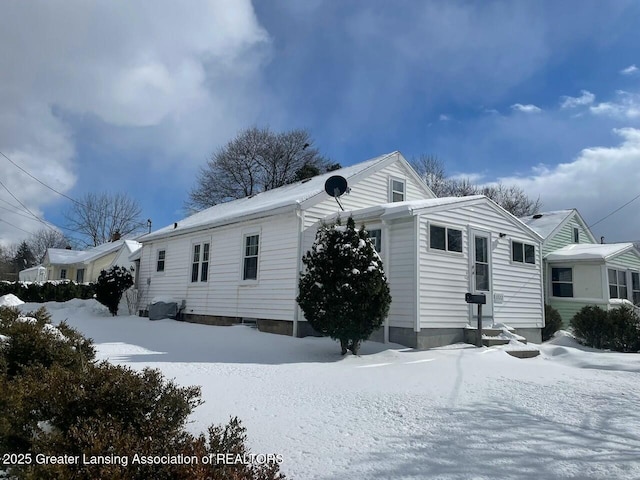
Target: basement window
x=562 y=282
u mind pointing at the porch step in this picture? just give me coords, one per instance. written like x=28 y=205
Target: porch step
x=492 y=336
x=524 y=353
x=491 y=341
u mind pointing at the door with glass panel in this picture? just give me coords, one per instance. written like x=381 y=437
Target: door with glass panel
x=480 y=275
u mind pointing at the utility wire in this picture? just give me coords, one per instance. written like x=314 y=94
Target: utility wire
x=14 y=226
x=41 y=182
x=616 y=210
x=25 y=207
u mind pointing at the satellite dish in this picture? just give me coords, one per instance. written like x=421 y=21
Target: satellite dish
x=335 y=186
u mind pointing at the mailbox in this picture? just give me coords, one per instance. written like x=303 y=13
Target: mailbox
x=478 y=299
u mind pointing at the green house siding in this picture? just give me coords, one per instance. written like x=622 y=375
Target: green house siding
x=628 y=261
x=564 y=236
x=568 y=309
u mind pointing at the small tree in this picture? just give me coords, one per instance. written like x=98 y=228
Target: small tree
x=344 y=293
x=111 y=285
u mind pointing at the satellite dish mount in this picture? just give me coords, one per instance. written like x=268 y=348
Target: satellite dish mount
x=335 y=186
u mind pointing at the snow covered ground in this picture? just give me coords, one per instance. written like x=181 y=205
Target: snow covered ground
x=392 y=412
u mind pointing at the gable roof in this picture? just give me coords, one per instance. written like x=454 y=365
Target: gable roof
x=61 y=256
x=547 y=224
x=388 y=211
x=586 y=251
x=277 y=200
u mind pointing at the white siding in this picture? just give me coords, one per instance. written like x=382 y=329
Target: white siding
x=564 y=236
x=402 y=283
x=225 y=294
x=445 y=276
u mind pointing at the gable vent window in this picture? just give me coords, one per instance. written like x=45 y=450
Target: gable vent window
x=397 y=190
x=523 y=253
x=576 y=235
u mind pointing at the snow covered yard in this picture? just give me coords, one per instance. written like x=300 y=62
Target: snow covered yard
x=392 y=412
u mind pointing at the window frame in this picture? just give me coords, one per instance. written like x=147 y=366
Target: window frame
x=619 y=274
x=163 y=260
x=63 y=274
x=446 y=239
x=553 y=283
x=204 y=247
x=523 y=253
x=78 y=275
x=576 y=235
x=635 y=288
x=243 y=264
x=393 y=192
x=378 y=248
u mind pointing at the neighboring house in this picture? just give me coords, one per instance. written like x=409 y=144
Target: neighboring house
x=579 y=271
x=242 y=259
x=33 y=274
x=84 y=266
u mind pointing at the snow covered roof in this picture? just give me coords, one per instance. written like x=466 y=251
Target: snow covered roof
x=546 y=223
x=283 y=198
x=586 y=251
x=411 y=207
x=61 y=256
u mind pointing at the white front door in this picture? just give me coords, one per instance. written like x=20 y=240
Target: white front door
x=480 y=265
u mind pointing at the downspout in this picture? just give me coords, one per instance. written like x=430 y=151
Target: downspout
x=386 y=237
x=416 y=270
x=296 y=307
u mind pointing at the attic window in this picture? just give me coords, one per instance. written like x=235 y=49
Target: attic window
x=397 y=190
x=576 y=235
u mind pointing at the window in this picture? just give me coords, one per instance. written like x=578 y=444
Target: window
x=200 y=262
x=562 y=282
x=482 y=263
x=80 y=275
x=576 y=235
x=63 y=273
x=160 y=261
x=376 y=239
x=250 y=270
x=635 y=287
x=617 y=283
x=447 y=239
x=397 y=190
x=523 y=253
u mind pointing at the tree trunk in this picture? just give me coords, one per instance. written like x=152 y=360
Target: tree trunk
x=344 y=346
x=354 y=347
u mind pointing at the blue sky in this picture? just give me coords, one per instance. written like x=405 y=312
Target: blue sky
x=135 y=96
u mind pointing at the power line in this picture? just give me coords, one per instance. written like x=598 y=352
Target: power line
x=40 y=181
x=14 y=226
x=25 y=207
x=616 y=210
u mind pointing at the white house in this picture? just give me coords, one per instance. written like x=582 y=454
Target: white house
x=85 y=265
x=578 y=271
x=242 y=259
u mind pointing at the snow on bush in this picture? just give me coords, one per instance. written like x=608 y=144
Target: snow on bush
x=344 y=292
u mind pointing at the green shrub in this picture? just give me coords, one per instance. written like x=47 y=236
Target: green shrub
x=48 y=291
x=552 y=322
x=344 y=293
x=61 y=405
x=111 y=285
x=616 y=329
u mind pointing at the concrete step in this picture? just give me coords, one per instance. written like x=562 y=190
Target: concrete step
x=524 y=353
x=490 y=341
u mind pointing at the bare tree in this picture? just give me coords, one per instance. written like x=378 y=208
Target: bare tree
x=510 y=197
x=46 y=238
x=97 y=217
x=256 y=160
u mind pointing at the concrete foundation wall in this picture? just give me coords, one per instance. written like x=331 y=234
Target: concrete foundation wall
x=210 y=319
x=280 y=327
x=533 y=335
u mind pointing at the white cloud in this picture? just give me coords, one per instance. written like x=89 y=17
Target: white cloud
x=626 y=106
x=586 y=98
x=630 y=70
x=180 y=80
x=597 y=182
x=444 y=118
x=529 y=108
